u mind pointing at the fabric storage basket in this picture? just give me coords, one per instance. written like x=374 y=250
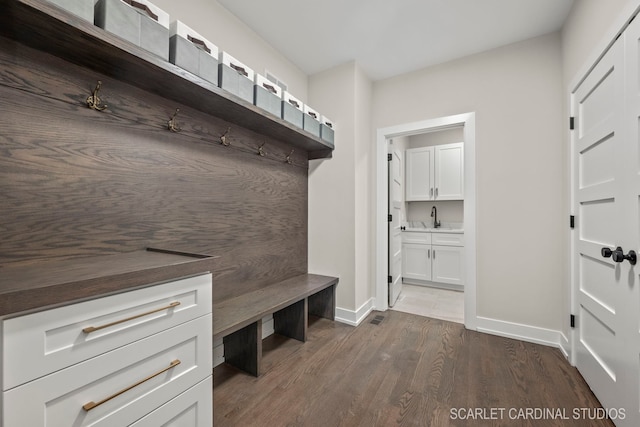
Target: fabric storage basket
x=292 y=109
x=235 y=77
x=267 y=95
x=81 y=8
x=192 y=52
x=137 y=21
x=326 y=130
x=311 y=121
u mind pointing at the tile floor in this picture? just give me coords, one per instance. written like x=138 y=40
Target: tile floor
x=431 y=302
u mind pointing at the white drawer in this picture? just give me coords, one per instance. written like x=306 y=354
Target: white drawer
x=191 y=409
x=416 y=237
x=58 y=399
x=41 y=343
x=448 y=239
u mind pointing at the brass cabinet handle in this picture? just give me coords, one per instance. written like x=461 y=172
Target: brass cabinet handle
x=117 y=322
x=89 y=406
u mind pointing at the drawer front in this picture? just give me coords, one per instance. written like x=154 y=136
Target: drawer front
x=44 y=342
x=448 y=239
x=416 y=237
x=193 y=408
x=59 y=399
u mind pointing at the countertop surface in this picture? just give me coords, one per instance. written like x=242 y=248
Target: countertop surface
x=435 y=230
x=47 y=283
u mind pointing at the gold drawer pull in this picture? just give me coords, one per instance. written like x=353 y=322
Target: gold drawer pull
x=89 y=406
x=97 y=328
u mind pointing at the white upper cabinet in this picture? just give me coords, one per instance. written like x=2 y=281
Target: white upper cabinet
x=435 y=173
x=420 y=178
x=449 y=172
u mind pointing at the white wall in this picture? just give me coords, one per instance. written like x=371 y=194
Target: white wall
x=223 y=29
x=516 y=92
x=339 y=189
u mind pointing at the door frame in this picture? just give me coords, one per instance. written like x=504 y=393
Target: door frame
x=468 y=122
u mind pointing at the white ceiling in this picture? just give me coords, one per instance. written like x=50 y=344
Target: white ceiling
x=392 y=37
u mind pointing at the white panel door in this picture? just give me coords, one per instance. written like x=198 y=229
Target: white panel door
x=420 y=174
x=447 y=264
x=606 y=204
x=395 y=233
x=449 y=171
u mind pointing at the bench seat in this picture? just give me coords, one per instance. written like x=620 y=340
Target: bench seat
x=238 y=320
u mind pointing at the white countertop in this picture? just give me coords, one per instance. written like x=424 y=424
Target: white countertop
x=427 y=227
x=435 y=230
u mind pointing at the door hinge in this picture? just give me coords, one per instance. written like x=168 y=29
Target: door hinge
x=389 y=279
x=572 y=123
x=389 y=157
x=572 y=221
x=390 y=217
x=572 y=320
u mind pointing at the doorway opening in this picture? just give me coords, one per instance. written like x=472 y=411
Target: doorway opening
x=467 y=123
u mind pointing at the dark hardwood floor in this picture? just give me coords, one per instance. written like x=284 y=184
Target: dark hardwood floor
x=406 y=370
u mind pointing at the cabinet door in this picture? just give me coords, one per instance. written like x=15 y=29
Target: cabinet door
x=416 y=261
x=419 y=175
x=449 y=171
x=447 y=264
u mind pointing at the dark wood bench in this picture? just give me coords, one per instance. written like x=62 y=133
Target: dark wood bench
x=238 y=320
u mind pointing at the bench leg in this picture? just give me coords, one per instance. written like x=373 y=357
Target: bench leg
x=292 y=321
x=323 y=303
x=243 y=348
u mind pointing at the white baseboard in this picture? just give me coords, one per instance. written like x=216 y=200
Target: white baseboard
x=354 y=318
x=565 y=346
x=522 y=332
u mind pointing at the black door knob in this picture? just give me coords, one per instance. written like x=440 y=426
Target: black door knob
x=606 y=252
x=619 y=256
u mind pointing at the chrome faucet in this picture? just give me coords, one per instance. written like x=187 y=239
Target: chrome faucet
x=434 y=215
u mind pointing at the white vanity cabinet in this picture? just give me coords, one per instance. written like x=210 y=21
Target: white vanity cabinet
x=435 y=173
x=433 y=259
x=112 y=361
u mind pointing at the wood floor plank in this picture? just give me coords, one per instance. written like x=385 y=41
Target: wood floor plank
x=406 y=370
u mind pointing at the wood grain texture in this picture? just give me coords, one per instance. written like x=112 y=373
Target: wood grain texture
x=292 y=320
x=44 y=26
x=408 y=370
x=243 y=348
x=232 y=314
x=76 y=183
x=323 y=303
x=40 y=284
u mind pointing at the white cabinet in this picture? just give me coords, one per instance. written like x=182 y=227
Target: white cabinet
x=433 y=258
x=420 y=179
x=435 y=173
x=110 y=361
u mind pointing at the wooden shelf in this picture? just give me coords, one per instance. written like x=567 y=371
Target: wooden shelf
x=44 y=26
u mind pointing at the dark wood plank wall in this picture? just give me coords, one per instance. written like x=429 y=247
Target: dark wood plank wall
x=76 y=182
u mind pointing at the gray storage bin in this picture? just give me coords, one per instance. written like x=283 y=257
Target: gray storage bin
x=235 y=77
x=292 y=110
x=81 y=8
x=192 y=52
x=267 y=95
x=326 y=130
x=135 y=25
x=311 y=121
